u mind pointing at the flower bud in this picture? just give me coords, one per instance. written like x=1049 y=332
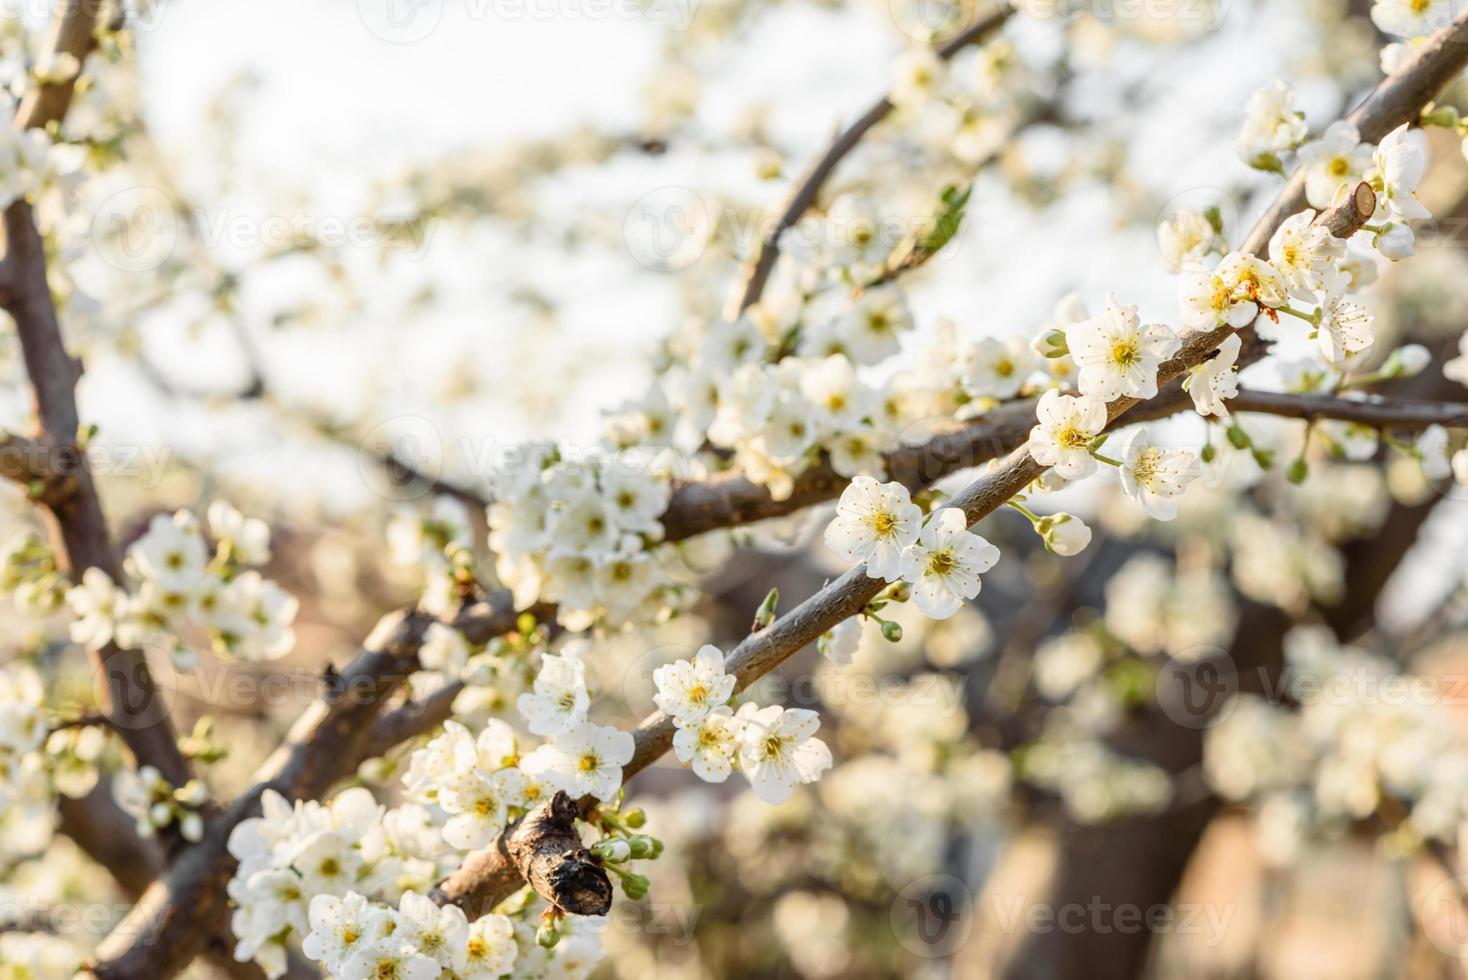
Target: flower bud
x=891 y=632
x=635 y=817
x=612 y=849
x=640 y=845
x=1396 y=242
x=1298 y=472
x=1066 y=535
x=547 y=936
x=1406 y=361
x=766 y=612
x=1051 y=343
x=191 y=827
x=635 y=886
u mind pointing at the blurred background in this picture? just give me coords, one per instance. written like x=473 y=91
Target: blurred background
x=315 y=232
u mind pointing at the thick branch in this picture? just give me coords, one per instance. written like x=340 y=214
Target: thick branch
x=168 y=926
x=75 y=518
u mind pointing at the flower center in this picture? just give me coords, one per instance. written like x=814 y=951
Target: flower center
x=1146 y=466
x=942 y=562
x=1222 y=297
x=882 y=523
x=1124 y=353
x=587 y=763
x=1072 y=438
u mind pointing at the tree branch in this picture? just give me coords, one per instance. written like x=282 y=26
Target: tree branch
x=73 y=509
x=761 y=263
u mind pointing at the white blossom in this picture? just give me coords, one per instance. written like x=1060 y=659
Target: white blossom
x=1155 y=477
x=874 y=523
x=1272 y=125
x=1411 y=18
x=944 y=564
x=1304 y=253
x=687 y=690
x=559 y=699
x=710 y=745
x=995 y=368
x=1215 y=381
x=1336 y=159
x=778 y=749
x=1188 y=238
x=1119 y=355
x=1398 y=164
x=587 y=759
x=1067 y=426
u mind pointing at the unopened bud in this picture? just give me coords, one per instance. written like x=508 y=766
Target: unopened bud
x=1407 y=361
x=547 y=936
x=612 y=849
x=1065 y=534
x=766 y=613
x=1051 y=343
x=891 y=632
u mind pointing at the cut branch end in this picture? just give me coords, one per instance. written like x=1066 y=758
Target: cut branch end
x=547 y=850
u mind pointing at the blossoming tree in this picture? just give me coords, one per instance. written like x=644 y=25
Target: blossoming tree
x=1254 y=459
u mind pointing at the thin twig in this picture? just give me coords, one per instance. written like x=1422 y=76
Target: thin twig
x=761 y=263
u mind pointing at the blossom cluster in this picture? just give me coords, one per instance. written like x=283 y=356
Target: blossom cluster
x=1364 y=741
x=878 y=524
x=300 y=865
x=27 y=801
x=774 y=747
x=29 y=573
x=779 y=418
x=583 y=534
x=184 y=596
x=155 y=804
x=348 y=878
x=23 y=162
